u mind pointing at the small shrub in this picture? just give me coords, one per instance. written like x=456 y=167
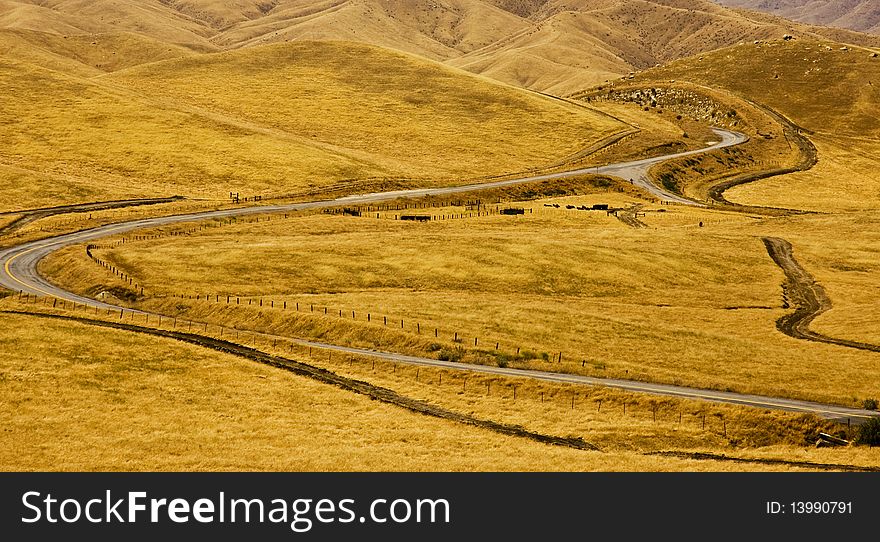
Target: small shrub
x=870 y=404
x=545 y=356
x=869 y=432
x=450 y=354
x=434 y=347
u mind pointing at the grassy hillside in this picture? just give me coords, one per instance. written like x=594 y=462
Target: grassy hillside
x=68 y=139
x=418 y=117
x=130 y=402
x=830 y=90
x=85 y=54
x=150 y=18
x=823 y=86
x=123 y=402
x=275 y=120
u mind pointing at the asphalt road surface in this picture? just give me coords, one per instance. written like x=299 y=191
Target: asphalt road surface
x=18 y=272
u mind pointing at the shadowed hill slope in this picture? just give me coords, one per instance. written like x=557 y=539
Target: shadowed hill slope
x=861 y=15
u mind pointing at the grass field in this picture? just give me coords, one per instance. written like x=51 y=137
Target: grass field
x=125 y=402
x=670 y=303
x=845 y=180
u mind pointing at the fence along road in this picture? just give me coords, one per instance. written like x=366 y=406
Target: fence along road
x=18 y=272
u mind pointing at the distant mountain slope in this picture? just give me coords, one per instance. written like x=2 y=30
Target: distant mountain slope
x=861 y=15
x=556 y=46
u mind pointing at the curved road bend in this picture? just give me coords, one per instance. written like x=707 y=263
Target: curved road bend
x=18 y=272
x=18 y=265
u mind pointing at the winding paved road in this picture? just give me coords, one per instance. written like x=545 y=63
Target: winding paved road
x=18 y=272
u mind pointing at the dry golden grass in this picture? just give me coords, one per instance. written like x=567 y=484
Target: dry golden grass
x=417 y=117
x=85 y=54
x=125 y=402
x=152 y=19
x=846 y=179
x=82 y=142
x=670 y=303
x=815 y=83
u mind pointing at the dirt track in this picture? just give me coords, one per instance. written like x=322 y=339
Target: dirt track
x=809 y=158
x=807 y=296
x=629 y=216
x=324 y=376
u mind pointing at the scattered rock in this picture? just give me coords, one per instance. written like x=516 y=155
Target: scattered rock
x=788 y=37
x=873 y=55
x=844 y=48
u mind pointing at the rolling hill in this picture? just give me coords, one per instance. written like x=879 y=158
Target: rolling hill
x=280 y=119
x=556 y=46
x=861 y=15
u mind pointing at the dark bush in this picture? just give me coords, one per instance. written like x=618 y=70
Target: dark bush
x=869 y=432
x=870 y=404
x=450 y=354
x=434 y=347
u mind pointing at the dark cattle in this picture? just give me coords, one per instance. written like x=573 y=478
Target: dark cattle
x=513 y=211
x=417 y=218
